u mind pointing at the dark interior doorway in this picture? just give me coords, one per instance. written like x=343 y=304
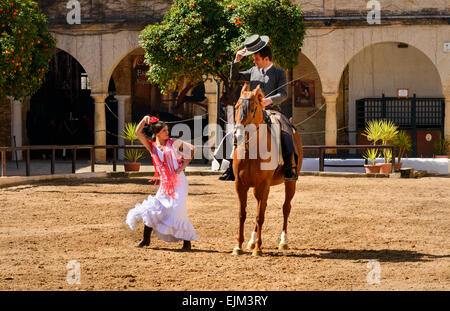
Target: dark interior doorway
x=62 y=111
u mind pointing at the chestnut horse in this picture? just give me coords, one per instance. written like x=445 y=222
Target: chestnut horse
x=249 y=171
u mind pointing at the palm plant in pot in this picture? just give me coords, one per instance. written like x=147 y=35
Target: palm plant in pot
x=132 y=155
x=441 y=147
x=388 y=131
x=371 y=155
x=402 y=142
x=373 y=134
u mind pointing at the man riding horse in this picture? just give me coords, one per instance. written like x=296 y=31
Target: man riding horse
x=273 y=82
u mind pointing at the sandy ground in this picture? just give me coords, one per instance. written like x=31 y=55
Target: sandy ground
x=337 y=226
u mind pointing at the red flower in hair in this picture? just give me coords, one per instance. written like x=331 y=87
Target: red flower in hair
x=153 y=119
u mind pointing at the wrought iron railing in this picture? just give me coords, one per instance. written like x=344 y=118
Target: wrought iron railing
x=407 y=113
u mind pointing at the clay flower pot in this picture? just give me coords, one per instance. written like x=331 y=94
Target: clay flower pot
x=385 y=168
x=372 y=169
x=132 y=166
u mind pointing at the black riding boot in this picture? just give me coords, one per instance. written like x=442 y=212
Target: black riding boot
x=228 y=174
x=290 y=172
x=146 y=239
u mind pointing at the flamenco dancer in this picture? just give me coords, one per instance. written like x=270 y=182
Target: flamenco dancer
x=165 y=214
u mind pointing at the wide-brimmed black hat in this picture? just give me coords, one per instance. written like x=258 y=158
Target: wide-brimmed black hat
x=255 y=43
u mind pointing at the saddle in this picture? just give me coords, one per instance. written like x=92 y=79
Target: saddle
x=270 y=117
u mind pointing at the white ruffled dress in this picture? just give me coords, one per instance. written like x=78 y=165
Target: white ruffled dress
x=166 y=215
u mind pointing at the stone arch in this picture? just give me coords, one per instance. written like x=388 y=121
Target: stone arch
x=427 y=57
x=425 y=40
x=370 y=74
x=119 y=46
x=69 y=45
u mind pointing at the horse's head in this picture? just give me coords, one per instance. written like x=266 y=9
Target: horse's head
x=249 y=107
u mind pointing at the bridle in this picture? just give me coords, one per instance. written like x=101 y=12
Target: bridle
x=244 y=103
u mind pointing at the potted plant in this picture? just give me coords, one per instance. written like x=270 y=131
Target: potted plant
x=371 y=154
x=373 y=134
x=402 y=142
x=441 y=147
x=132 y=155
x=388 y=131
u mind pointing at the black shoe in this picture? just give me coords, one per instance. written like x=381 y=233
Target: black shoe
x=186 y=246
x=228 y=175
x=146 y=239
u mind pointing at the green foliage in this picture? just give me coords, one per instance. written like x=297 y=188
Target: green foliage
x=198 y=38
x=281 y=20
x=403 y=143
x=373 y=131
x=388 y=131
x=190 y=43
x=371 y=154
x=133 y=155
x=129 y=131
x=384 y=131
x=441 y=145
x=26 y=48
x=387 y=155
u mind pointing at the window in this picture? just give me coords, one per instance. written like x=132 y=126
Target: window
x=85 y=83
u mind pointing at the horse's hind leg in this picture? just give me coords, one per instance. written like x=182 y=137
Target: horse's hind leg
x=242 y=191
x=289 y=192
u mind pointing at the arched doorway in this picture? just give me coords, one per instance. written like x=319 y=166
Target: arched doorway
x=306 y=91
x=370 y=85
x=62 y=111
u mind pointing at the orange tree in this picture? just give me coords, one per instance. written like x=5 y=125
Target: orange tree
x=26 y=48
x=199 y=38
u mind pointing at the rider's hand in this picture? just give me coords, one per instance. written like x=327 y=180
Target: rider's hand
x=240 y=55
x=266 y=101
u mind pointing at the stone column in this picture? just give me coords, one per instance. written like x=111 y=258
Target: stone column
x=122 y=102
x=330 y=120
x=16 y=126
x=100 y=126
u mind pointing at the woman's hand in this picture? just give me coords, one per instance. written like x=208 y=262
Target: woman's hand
x=146 y=119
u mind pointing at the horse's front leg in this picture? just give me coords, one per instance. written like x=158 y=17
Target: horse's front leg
x=261 y=193
x=242 y=191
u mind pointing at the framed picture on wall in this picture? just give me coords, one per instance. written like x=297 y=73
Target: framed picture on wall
x=304 y=93
x=402 y=93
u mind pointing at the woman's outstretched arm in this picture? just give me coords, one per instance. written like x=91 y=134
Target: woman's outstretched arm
x=142 y=138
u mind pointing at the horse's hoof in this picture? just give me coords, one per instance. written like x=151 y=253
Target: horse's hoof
x=251 y=246
x=236 y=252
x=283 y=247
x=257 y=253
